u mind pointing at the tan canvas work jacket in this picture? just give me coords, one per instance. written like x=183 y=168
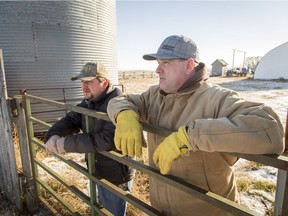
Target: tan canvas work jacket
x=219 y=121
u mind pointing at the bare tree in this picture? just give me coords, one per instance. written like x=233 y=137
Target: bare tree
x=252 y=62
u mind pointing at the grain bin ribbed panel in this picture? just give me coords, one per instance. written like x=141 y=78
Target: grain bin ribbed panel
x=45 y=43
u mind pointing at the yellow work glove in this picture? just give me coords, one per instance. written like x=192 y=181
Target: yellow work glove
x=128 y=134
x=171 y=148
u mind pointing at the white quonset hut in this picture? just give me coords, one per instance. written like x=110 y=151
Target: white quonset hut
x=274 y=65
x=45 y=43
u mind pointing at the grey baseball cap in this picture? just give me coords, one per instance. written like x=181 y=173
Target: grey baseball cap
x=90 y=71
x=175 y=47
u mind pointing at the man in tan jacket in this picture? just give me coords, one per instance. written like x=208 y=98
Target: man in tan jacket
x=209 y=120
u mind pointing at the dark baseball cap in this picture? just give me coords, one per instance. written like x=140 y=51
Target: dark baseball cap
x=175 y=47
x=90 y=71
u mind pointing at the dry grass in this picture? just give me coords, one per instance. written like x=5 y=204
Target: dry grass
x=66 y=195
x=17 y=148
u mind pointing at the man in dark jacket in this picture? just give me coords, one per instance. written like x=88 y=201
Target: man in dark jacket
x=64 y=135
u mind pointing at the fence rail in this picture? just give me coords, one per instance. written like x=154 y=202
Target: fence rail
x=280 y=162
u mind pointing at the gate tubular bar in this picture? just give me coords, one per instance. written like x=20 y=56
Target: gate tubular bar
x=109 y=186
x=72 y=188
x=280 y=162
x=66 y=205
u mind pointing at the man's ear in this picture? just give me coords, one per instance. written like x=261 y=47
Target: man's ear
x=190 y=65
x=106 y=82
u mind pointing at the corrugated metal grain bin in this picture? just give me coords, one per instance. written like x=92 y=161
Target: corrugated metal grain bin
x=44 y=43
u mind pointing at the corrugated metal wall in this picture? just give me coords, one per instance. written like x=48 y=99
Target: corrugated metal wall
x=46 y=42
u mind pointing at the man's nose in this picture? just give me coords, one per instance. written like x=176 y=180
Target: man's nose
x=158 y=69
x=84 y=86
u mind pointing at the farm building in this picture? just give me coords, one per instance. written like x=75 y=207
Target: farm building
x=274 y=64
x=219 y=68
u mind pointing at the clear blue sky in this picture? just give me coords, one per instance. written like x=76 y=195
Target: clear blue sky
x=217 y=27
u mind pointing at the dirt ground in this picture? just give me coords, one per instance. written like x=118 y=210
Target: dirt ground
x=274 y=93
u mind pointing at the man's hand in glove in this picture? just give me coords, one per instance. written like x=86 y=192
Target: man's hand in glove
x=60 y=145
x=55 y=144
x=128 y=134
x=50 y=145
x=171 y=148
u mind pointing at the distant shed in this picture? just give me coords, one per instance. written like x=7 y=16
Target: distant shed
x=274 y=65
x=219 y=68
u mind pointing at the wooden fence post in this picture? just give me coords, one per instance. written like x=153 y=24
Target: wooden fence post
x=9 y=181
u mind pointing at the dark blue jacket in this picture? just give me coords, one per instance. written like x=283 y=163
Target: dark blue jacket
x=101 y=139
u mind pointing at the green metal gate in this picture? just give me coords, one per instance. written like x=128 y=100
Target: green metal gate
x=280 y=162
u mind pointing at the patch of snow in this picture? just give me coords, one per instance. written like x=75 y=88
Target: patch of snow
x=265 y=173
x=254 y=202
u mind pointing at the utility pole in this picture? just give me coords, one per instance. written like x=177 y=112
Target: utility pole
x=234 y=50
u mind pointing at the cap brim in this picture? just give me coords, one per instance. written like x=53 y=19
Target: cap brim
x=74 y=78
x=82 y=78
x=158 y=56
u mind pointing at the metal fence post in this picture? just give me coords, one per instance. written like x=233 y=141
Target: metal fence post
x=281 y=197
x=33 y=186
x=91 y=166
x=32 y=203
